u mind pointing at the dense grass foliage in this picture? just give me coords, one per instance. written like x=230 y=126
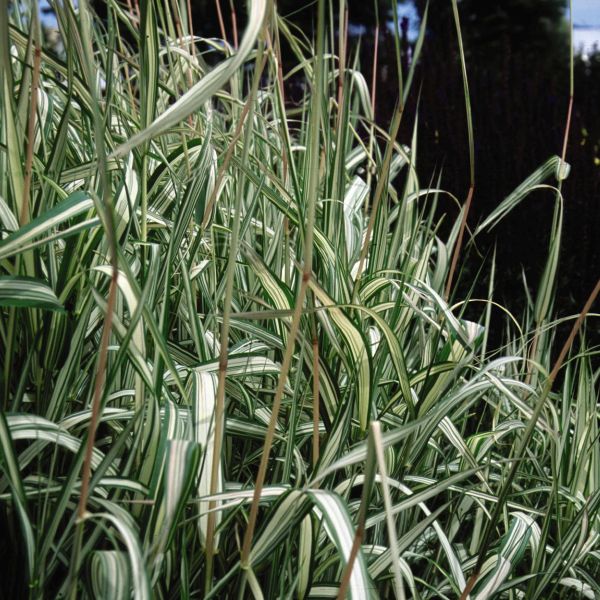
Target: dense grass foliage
x=231 y=361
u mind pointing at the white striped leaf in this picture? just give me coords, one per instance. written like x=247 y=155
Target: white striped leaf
x=41 y=432
x=109 y=575
x=7 y=218
x=329 y=507
x=12 y=475
x=523 y=531
x=127 y=196
x=182 y=458
x=137 y=565
x=358 y=360
x=204 y=398
x=551 y=166
x=76 y=204
x=582 y=588
x=305 y=555
x=27 y=292
x=132 y=304
x=339 y=528
x=385 y=559
x=211 y=83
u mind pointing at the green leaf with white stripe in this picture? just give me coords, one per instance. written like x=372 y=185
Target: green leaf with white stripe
x=27 y=292
x=513 y=199
x=137 y=565
x=358 y=359
x=7 y=218
x=204 y=398
x=110 y=575
x=182 y=458
x=73 y=206
x=42 y=432
x=339 y=528
x=211 y=83
x=11 y=473
x=523 y=531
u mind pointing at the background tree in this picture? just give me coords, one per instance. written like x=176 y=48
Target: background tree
x=302 y=14
x=518 y=67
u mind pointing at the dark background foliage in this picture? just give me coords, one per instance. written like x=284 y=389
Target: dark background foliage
x=517 y=59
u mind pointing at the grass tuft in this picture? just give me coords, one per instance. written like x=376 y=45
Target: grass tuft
x=233 y=362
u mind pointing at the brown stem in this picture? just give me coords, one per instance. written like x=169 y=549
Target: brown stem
x=312 y=189
x=362 y=515
x=188 y=72
x=276 y=52
x=228 y=155
x=191 y=28
x=576 y=327
x=234 y=24
x=387 y=503
x=105 y=209
x=345 y=582
x=531 y=425
x=470 y=585
x=459 y=241
x=221 y=172
x=217 y=448
x=130 y=12
x=223 y=354
x=467 y=205
x=178 y=26
x=532 y=354
x=372 y=129
x=221 y=22
x=567 y=129
x=286 y=255
x=98 y=388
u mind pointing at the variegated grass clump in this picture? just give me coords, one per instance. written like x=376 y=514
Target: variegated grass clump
x=232 y=361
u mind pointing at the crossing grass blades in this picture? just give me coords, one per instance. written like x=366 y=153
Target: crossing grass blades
x=233 y=362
